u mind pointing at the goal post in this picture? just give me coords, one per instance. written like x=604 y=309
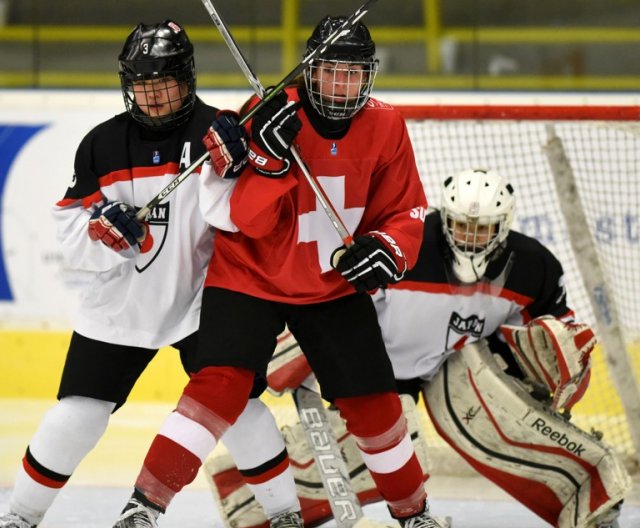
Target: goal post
x=576 y=174
x=600 y=296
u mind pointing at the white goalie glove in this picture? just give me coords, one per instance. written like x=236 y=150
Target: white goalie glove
x=554 y=354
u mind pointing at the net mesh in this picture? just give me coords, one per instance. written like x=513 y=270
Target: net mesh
x=605 y=158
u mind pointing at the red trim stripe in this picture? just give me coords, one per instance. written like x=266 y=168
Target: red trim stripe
x=40 y=478
x=521 y=112
x=268 y=475
x=450 y=289
x=139 y=172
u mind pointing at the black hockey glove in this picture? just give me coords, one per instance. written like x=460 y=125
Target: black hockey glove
x=116 y=226
x=273 y=129
x=226 y=141
x=368 y=264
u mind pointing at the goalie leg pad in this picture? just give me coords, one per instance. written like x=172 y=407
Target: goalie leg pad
x=288 y=367
x=558 y=471
x=236 y=504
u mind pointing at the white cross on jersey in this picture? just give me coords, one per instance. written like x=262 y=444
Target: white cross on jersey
x=315 y=226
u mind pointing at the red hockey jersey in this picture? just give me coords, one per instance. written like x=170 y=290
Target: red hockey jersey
x=283 y=248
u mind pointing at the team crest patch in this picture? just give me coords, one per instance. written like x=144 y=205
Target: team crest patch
x=158 y=220
x=460 y=328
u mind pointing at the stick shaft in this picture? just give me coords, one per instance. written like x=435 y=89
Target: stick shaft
x=343 y=500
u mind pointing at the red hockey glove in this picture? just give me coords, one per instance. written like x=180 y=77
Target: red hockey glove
x=226 y=141
x=368 y=264
x=273 y=129
x=116 y=226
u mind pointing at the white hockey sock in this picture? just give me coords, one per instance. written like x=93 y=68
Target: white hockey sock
x=277 y=495
x=66 y=434
x=253 y=440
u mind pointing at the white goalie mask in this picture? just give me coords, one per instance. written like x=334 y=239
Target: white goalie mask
x=477 y=212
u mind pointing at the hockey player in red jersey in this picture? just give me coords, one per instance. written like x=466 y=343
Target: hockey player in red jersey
x=147 y=276
x=283 y=264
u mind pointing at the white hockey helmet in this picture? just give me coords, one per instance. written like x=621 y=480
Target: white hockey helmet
x=477 y=211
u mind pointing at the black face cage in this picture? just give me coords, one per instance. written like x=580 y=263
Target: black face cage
x=184 y=104
x=327 y=94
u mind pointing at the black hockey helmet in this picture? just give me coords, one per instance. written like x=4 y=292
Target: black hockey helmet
x=154 y=53
x=354 y=47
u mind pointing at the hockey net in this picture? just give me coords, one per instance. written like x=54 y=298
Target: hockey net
x=576 y=175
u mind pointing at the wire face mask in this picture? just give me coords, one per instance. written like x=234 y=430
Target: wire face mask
x=338 y=90
x=159 y=101
x=340 y=84
x=473 y=245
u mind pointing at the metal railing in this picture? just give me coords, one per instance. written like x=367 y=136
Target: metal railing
x=428 y=71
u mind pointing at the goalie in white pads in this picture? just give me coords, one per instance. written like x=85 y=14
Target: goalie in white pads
x=482 y=328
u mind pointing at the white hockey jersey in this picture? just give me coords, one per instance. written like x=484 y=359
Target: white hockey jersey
x=429 y=315
x=149 y=299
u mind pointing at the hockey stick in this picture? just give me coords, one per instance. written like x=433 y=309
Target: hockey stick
x=333 y=37
x=334 y=474
x=242 y=61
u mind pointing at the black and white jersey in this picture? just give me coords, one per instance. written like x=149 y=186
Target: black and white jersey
x=150 y=299
x=430 y=314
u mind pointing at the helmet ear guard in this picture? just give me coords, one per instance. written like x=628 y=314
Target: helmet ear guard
x=157 y=53
x=477 y=212
x=351 y=57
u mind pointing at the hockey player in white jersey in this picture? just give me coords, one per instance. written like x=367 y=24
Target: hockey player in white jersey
x=147 y=276
x=481 y=327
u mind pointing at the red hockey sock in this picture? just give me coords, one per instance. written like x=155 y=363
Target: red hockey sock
x=211 y=401
x=380 y=430
x=168 y=467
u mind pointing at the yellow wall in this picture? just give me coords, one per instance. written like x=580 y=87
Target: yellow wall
x=31 y=364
